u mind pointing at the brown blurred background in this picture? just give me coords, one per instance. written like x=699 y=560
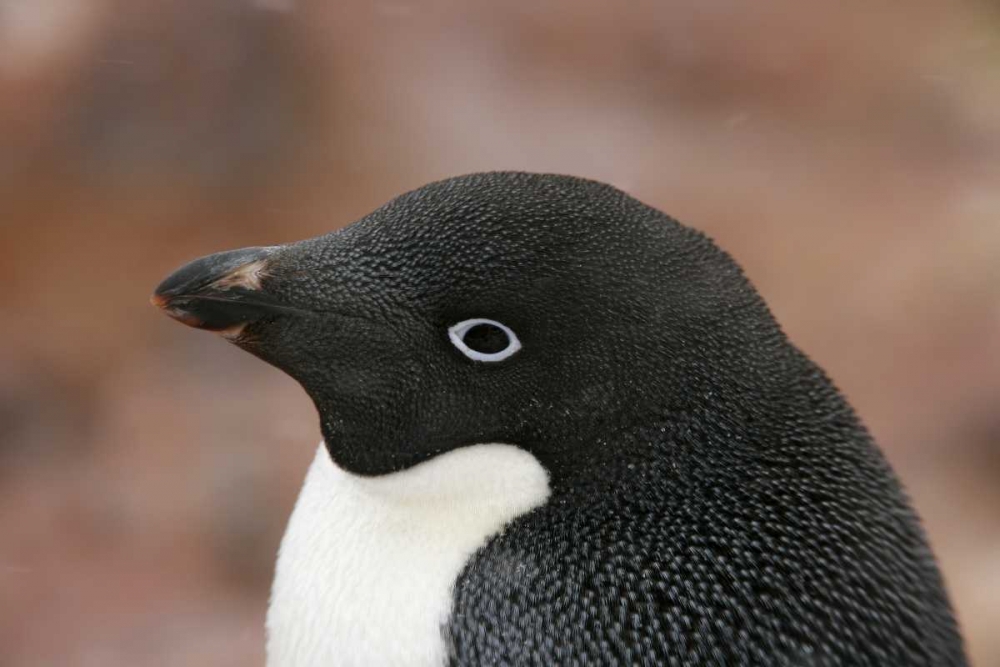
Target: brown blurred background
x=847 y=153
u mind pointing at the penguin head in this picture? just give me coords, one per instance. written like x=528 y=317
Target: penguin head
x=547 y=312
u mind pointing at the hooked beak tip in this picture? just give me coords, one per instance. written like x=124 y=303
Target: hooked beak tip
x=164 y=303
x=215 y=292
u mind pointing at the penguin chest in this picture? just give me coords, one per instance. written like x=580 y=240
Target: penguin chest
x=367 y=566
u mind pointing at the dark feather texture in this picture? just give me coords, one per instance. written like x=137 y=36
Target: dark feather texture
x=715 y=501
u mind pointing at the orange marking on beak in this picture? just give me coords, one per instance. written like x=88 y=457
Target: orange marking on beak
x=247 y=276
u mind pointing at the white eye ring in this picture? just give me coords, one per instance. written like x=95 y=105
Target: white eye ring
x=456 y=333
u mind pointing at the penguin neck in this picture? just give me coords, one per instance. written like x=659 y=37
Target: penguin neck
x=367 y=566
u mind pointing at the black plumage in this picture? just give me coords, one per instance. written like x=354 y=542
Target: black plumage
x=715 y=500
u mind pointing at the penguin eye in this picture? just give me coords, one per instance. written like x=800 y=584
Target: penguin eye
x=484 y=340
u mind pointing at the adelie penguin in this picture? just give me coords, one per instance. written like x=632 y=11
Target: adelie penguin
x=560 y=428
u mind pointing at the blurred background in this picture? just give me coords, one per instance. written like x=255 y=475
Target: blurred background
x=847 y=153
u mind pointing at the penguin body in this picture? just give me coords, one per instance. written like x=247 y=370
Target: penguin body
x=561 y=428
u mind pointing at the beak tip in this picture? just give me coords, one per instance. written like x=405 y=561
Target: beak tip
x=210 y=292
x=164 y=303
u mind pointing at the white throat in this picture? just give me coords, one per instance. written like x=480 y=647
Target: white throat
x=367 y=565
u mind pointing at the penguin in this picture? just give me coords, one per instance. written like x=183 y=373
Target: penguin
x=561 y=428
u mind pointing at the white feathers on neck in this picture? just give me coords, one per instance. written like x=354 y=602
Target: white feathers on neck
x=367 y=565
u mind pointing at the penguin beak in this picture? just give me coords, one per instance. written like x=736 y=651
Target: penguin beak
x=221 y=292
